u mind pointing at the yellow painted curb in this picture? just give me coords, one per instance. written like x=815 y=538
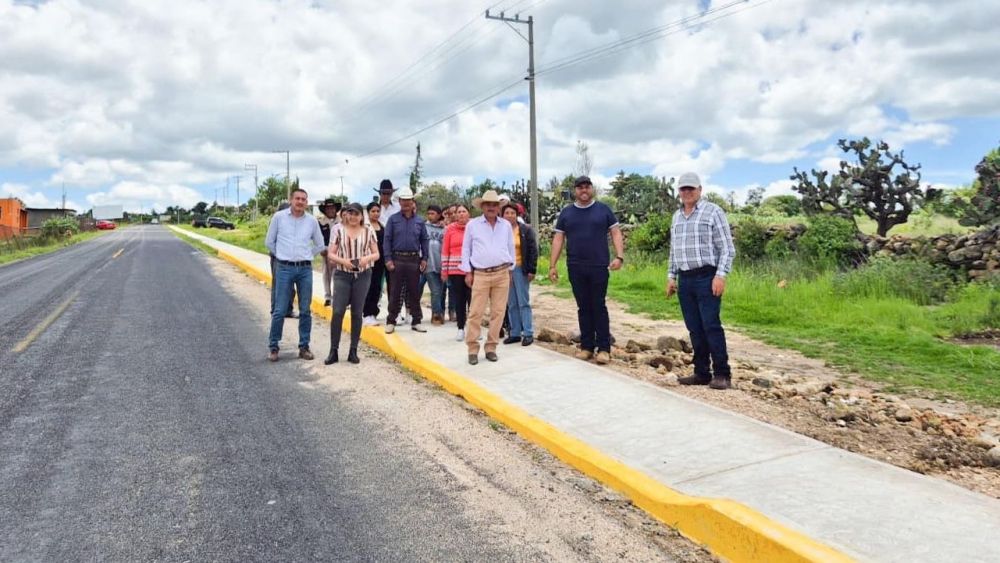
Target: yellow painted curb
x=729 y=529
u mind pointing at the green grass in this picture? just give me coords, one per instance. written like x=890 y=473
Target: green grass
x=246 y=235
x=886 y=339
x=13 y=255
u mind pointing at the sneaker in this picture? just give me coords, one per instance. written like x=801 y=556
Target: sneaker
x=390 y=328
x=418 y=328
x=369 y=321
x=460 y=337
x=720 y=383
x=584 y=355
x=305 y=354
x=694 y=380
x=602 y=358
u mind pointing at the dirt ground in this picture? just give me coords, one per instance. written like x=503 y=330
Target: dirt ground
x=508 y=485
x=948 y=439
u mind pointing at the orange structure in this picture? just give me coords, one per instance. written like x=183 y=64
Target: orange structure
x=13 y=217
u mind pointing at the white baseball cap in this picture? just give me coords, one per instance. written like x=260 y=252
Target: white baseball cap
x=689 y=179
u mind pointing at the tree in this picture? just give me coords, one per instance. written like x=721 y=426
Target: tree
x=416 y=173
x=717 y=199
x=271 y=192
x=639 y=196
x=200 y=208
x=872 y=186
x=983 y=207
x=787 y=205
x=437 y=194
x=584 y=163
x=755 y=197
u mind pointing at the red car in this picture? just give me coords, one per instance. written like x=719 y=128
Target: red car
x=105 y=225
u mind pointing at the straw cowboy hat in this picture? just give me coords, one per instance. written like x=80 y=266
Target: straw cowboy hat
x=490 y=196
x=405 y=193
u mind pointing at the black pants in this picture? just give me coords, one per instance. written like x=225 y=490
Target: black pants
x=405 y=278
x=590 y=288
x=375 y=289
x=348 y=290
x=701 y=312
x=462 y=295
x=274 y=284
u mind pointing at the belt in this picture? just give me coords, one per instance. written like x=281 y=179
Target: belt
x=699 y=271
x=493 y=269
x=407 y=254
x=295 y=264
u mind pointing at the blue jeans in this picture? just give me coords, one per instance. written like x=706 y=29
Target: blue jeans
x=701 y=312
x=433 y=279
x=590 y=289
x=300 y=280
x=519 y=304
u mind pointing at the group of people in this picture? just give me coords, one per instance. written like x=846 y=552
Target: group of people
x=487 y=263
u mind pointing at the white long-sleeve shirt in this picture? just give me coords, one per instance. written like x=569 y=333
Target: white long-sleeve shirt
x=294 y=239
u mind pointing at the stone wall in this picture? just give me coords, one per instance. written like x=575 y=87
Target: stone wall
x=976 y=253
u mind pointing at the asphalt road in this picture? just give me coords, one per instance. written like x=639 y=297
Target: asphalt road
x=139 y=421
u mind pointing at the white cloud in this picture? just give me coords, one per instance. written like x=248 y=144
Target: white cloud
x=35 y=198
x=170 y=96
x=137 y=197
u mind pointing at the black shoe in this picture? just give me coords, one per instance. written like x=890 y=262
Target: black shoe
x=527 y=341
x=694 y=380
x=326 y=302
x=292 y=315
x=305 y=354
x=719 y=382
x=491 y=356
x=511 y=339
x=352 y=356
x=473 y=359
x=332 y=358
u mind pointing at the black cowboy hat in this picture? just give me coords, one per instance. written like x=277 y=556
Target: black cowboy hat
x=385 y=187
x=328 y=202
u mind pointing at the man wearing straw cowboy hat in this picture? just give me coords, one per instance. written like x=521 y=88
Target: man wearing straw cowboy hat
x=327 y=222
x=487 y=260
x=406 y=248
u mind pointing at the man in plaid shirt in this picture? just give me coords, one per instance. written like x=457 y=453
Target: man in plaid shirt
x=701 y=254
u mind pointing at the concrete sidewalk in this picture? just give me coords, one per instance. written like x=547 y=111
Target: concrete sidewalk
x=863 y=508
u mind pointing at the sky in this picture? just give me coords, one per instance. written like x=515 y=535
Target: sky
x=154 y=103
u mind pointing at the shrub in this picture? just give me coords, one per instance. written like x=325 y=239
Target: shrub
x=830 y=238
x=915 y=280
x=750 y=237
x=653 y=235
x=59 y=227
x=778 y=247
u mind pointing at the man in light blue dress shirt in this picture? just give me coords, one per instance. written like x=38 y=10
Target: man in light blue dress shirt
x=294 y=238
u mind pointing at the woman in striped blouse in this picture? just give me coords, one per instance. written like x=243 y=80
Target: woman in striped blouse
x=353 y=250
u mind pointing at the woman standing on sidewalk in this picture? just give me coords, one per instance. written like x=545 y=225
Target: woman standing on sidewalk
x=353 y=250
x=378 y=269
x=451 y=266
x=525 y=265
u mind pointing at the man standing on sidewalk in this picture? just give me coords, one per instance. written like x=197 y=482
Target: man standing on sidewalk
x=406 y=251
x=293 y=237
x=701 y=254
x=488 y=257
x=330 y=208
x=584 y=228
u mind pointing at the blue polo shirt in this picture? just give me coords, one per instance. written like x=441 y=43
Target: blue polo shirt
x=586 y=230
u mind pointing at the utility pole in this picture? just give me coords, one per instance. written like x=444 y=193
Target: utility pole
x=64 y=198
x=237 y=193
x=530 y=22
x=256 y=189
x=225 y=194
x=341 y=186
x=288 y=179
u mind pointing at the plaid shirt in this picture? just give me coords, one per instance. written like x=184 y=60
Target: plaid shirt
x=701 y=239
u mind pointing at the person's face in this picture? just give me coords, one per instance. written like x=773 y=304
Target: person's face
x=384 y=197
x=449 y=215
x=433 y=216
x=343 y=215
x=299 y=202
x=510 y=215
x=330 y=211
x=352 y=218
x=461 y=215
x=374 y=213
x=407 y=206
x=689 y=195
x=491 y=209
x=584 y=193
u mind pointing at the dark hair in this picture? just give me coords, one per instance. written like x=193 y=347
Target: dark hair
x=433 y=207
x=462 y=205
x=510 y=206
x=300 y=190
x=374 y=204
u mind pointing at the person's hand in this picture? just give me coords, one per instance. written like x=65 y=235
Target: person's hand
x=616 y=264
x=718 y=286
x=323 y=252
x=444 y=277
x=390 y=265
x=553 y=275
x=423 y=266
x=468 y=280
x=671 y=287
x=531 y=277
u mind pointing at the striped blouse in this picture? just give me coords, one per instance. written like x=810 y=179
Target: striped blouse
x=346 y=247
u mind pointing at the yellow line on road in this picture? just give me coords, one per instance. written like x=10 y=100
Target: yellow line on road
x=38 y=330
x=119 y=253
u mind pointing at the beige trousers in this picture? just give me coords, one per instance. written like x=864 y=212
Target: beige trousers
x=492 y=287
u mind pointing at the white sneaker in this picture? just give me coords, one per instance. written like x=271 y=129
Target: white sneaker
x=460 y=337
x=369 y=321
x=389 y=329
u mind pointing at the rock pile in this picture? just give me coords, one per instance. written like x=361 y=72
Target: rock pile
x=976 y=253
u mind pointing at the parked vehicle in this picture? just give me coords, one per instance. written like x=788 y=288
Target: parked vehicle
x=199 y=222
x=105 y=225
x=219 y=223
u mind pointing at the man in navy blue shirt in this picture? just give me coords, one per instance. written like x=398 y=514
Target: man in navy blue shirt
x=406 y=248
x=584 y=228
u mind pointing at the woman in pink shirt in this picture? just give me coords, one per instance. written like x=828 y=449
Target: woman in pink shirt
x=451 y=266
